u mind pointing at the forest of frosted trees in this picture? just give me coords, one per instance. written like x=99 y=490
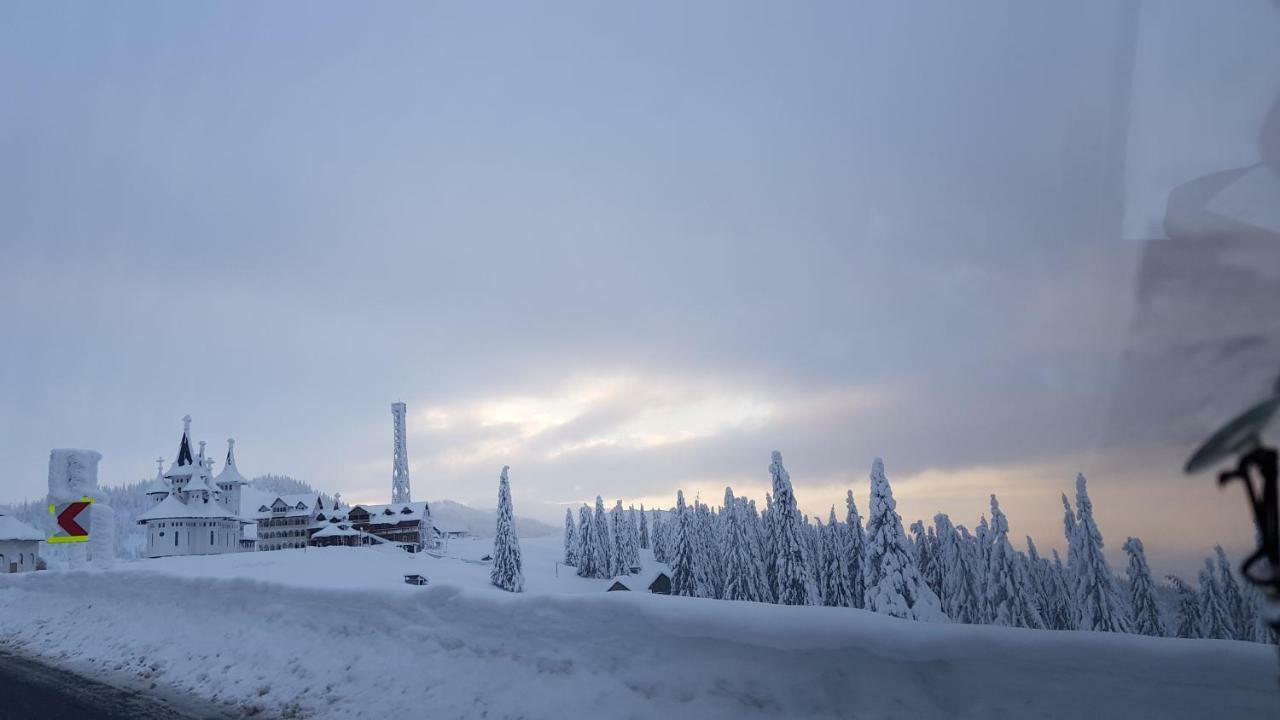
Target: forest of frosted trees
x=941 y=572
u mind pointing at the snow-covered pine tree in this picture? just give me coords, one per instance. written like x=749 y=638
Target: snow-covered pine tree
x=1097 y=600
x=618 y=548
x=894 y=585
x=570 y=539
x=644 y=529
x=925 y=546
x=1142 y=596
x=1051 y=591
x=1010 y=599
x=684 y=578
x=769 y=520
x=707 y=567
x=589 y=558
x=856 y=551
x=1260 y=631
x=1214 y=620
x=1070 y=528
x=741 y=567
x=1237 y=613
x=1071 y=617
x=835 y=573
x=959 y=598
x=603 y=539
x=658 y=538
x=756 y=525
x=982 y=548
x=507 y=572
x=1188 y=614
x=792 y=575
x=633 y=538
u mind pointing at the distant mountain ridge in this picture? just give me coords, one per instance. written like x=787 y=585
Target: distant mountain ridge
x=451 y=515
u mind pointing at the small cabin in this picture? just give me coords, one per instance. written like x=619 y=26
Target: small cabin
x=656 y=581
x=19 y=546
x=415 y=579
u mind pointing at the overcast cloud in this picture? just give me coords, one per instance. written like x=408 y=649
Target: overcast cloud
x=623 y=250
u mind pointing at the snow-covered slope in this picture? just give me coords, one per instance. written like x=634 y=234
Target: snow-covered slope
x=456 y=516
x=335 y=633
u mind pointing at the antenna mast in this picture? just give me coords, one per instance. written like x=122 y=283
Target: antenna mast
x=399 y=458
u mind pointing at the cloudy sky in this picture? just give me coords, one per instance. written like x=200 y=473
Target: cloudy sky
x=624 y=250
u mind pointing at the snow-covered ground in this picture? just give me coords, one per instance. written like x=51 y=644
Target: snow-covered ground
x=335 y=633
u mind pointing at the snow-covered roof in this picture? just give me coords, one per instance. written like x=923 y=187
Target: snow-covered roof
x=171 y=508
x=291 y=502
x=336 y=530
x=643 y=579
x=230 y=473
x=11 y=528
x=394 y=513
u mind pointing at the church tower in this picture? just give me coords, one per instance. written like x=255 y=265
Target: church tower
x=399 y=458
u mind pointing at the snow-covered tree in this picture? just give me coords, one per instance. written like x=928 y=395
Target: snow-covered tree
x=793 y=577
x=644 y=529
x=741 y=567
x=769 y=521
x=618 y=549
x=592 y=561
x=684 y=578
x=1237 y=612
x=1070 y=528
x=1052 y=595
x=506 y=572
x=659 y=538
x=707 y=567
x=1097 y=599
x=855 y=551
x=982 y=551
x=1188 y=614
x=1010 y=599
x=1142 y=596
x=959 y=598
x=603 y=538
x=894 y=585
x=570 y=539
x=835 y=566
x=925 y=547
x=1214 y=620
x=1070 y=616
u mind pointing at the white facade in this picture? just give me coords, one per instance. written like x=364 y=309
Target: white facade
x=195 y=513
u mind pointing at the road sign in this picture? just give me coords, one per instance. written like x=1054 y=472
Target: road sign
x=73 y=521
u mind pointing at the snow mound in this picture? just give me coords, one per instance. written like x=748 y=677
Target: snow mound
x=303 y=644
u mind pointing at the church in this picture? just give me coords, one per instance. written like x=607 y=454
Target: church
x=194 y=513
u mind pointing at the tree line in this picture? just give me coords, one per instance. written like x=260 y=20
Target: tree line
x=941 y=572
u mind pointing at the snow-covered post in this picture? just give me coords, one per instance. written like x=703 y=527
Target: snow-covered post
x=894 y=585
x=73 y=474
x=506 y=573
x=1142 y=597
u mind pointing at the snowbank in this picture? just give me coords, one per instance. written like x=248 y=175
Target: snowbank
x=281 y=631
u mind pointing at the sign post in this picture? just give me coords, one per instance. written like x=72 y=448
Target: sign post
x=72 y=519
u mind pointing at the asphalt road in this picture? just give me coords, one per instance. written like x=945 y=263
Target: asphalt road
x=31 y=690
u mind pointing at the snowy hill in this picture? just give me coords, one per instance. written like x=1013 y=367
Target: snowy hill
x=279 y=641
x=480 y=523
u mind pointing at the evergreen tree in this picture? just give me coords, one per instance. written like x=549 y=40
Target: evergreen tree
x=1009 y=598
x=756 y=525
x=959 y=598
x=1188 y=617
x=603 y=539
x=633 y=538
x=659 y=539
x=792 y=574
x=1142 y=597
x=1051 y=590
x=982 y=549
x=618 y=548
x=1097 y=600
x=1238 y=621
x=1214 y=621
x=925 y=545
x=507 y=572
x=835 y=574
x=742 y=574
x=1071 y=530
x=855 y=551
x=644 y=529
x=684 y=580
x=894 y=585
x=769 y=520
x=589 y=558
x=707 y=565
x=1260 y=631
x=1071 y=619
x=570 y=539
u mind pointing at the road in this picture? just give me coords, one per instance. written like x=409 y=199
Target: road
x=31 y=690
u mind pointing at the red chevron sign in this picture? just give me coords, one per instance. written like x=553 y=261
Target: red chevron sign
x=73 y=522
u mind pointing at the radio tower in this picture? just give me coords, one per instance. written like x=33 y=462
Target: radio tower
x=400 y=460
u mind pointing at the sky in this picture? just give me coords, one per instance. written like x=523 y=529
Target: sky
x=624 y=249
